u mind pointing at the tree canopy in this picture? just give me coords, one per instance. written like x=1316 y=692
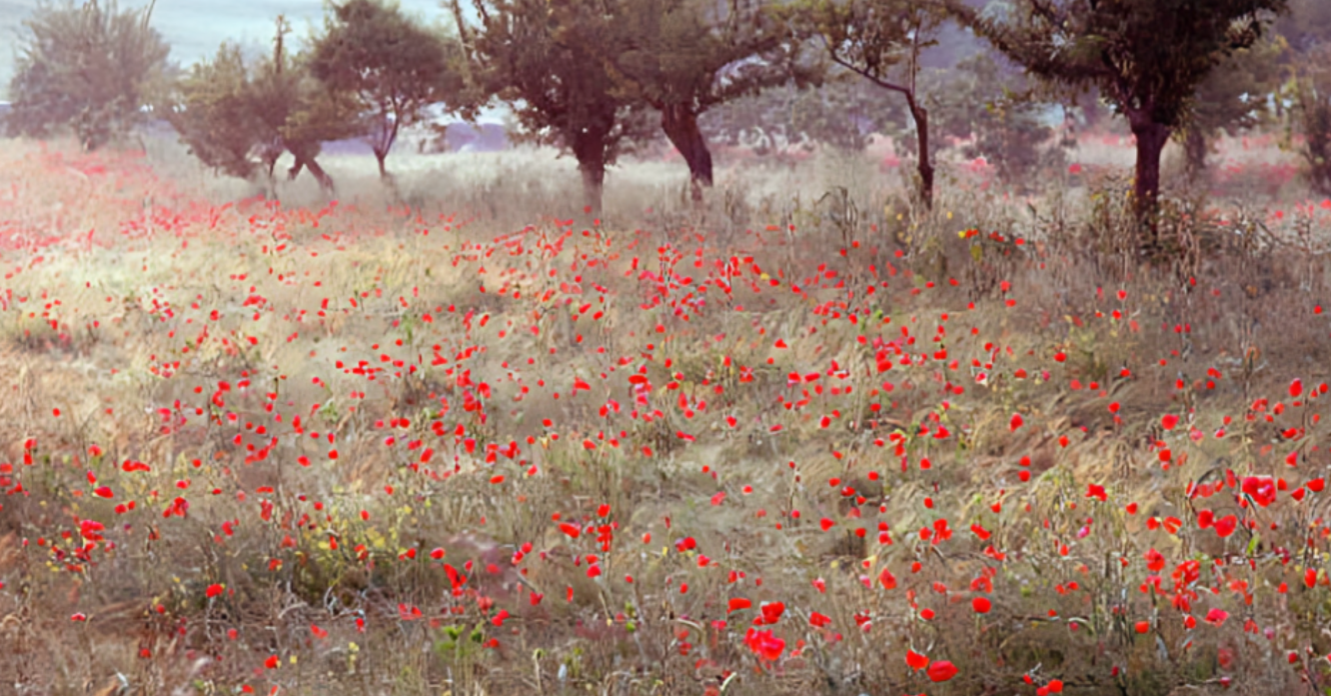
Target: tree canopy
x=530 y=54
x=90 y=69
x=213 y=115
x=842 y=111
x=389 y=64
x=684 y=57
x=1004 y=118
x=1232 y=97
x=586 y=71
x=880 y=40
x=1147 y=57
x=240 y=119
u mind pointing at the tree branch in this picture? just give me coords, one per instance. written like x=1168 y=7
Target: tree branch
x=871 y=77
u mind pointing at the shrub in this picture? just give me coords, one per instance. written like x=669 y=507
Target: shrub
x=1313 y=103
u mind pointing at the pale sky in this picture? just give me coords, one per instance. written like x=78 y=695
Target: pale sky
x=195 y=28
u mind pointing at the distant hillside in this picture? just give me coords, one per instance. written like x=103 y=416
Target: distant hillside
x=484 y=137
x=457 y=137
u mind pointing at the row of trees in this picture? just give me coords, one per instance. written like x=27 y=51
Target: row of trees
x=589 y=76
x=597 y=77
x=580 y=72
x=99 y=71
x=370 y=73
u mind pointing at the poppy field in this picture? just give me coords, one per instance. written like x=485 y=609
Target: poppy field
x=354 y=448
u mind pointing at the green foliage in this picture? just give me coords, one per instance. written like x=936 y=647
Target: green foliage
x=842 y=112
x=684 y=57
x=530 y=53
x=458 y=642
x=1003 y=115
x=1147 y=57
x=240 y=119
x=581 y=74
x=675 y=51
x=390 y=65
x=1312 y=93
x=294 y=108
x=880 y=40
x=873 y=39
x=87 y=68
x=1233 y=97
x=214 y=118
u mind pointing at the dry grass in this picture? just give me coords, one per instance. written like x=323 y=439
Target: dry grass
x=562 y=370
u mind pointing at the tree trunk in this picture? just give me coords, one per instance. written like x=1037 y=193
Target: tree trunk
x=383 y=144
x=680 y=124
x=1197 y=147
x=325 y=181
x=589 y=147
x=269 y=183
x=925 y=166
x=593 y=182
x=1151 y=140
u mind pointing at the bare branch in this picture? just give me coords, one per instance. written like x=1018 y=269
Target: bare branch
x=870 y=77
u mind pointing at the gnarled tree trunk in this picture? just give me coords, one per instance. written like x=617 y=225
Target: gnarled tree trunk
x=680 y=124
x=304 y=155
x=589 y=147
x=325 y=181
x=920 y=116
x=1151 y=139
x=308 y=162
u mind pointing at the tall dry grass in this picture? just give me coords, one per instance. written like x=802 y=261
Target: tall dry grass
x=163 y=333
